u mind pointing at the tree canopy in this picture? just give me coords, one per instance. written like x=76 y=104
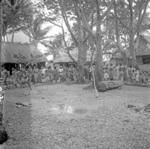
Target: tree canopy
x=98 y=26
x=17 y=16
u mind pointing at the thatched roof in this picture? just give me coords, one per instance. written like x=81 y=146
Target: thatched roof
x=20 y=53
x=144 y=46
x=63 y=57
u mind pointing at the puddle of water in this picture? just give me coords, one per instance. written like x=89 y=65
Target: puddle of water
x=80 y=111
x=62 y=109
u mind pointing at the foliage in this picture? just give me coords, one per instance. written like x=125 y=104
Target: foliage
x=17 y=17
x=130 y=15
x=35 y=31
x=96 y=25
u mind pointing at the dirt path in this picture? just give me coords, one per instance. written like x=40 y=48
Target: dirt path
x=68 y=117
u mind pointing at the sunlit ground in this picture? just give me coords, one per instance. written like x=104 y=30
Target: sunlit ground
x=68 y=117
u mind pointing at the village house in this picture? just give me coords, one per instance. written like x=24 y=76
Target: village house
x=143 y=53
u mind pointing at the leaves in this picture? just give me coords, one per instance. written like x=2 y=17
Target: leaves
x=17 y=18
x=86 y=21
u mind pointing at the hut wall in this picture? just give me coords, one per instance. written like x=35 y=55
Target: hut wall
x=139 y=60
x=145 y=67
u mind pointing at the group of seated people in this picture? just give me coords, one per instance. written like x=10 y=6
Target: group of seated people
x=33 y=75
x=60 y=73
x=18 y=78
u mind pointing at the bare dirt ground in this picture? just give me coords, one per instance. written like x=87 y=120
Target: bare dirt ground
x=70 y=117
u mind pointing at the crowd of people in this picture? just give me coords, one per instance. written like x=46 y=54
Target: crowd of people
x=26 y=76
x=126 y=73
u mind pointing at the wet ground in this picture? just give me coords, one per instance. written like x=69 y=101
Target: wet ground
x=70 y=117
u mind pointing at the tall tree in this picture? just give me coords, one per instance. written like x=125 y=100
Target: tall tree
x=69 y=13
x=130 y=15
x=87 y=15
x=14 y=15
x=80 y=36
x=17 y=15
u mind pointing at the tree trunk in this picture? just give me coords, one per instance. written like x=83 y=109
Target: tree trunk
x=82 y=50
x=131 y=35
x=13 y=35
x=35 y=46
x=1 y=31
x=132 y=49
x=99 y=63
x=123 y=54
x=99 y=57
x=82 y=53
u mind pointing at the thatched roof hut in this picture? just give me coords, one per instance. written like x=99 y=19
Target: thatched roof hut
x=143 y=53
x=144 y=46
x=20 y=53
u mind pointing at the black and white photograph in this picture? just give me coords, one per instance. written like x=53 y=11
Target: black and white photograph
x=74 y=74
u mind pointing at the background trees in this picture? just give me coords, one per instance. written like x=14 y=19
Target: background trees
x=102 y=25
x=16 y=16
x=83 y=20
x=130 y=16
x=96 y=26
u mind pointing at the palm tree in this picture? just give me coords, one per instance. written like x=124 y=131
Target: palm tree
x=15 y=15
x=18 y=16
x=35 y=32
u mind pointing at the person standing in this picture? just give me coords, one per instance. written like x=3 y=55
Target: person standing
x=137 y=75
x=111 y=72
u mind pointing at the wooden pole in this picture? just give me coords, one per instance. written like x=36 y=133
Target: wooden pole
x=94 y=82
x=1 y=31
